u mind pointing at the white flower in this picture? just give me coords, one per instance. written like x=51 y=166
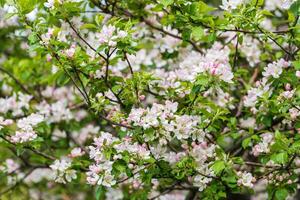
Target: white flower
x=122 y=34
x=106 y=34
x=55 y=112
x=263 y=146
x=281 y=4
x=31 y=120
x=114 y=194
x=185 y=126
x=218 y=69
x=76 y=152
x=100 y=174
x=171 y=106
x=49 y=4
x=294 y=113
x=286 y=4
x=71 y=51
x=104 y=139
x=109 y=34
x=136 y=115
x=62 y=171
x=250 y=48
x=246 y=179
x=275 y=69
x=47 y=36
x=272 y=70
x=107 y=180
x=11 y=166
x=26 y=132
x=201 y=182
x=248 y=123
x=100 y=73
x=70 y=174
x=60 y=165
x=5 y=122
x=202 y=152
x=288 y=94
x=16 y=103
x=23 y=136
x=230 y=4
x=254 y=93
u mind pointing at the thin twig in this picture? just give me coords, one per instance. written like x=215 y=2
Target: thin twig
x=16 y=80
x=17 y=183
x=79 y=35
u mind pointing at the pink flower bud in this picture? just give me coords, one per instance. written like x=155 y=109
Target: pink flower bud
x=142 y=97
x=124 y=122
x=203 y=145
x=135 y=184
x=288 y=87
x=48 y=57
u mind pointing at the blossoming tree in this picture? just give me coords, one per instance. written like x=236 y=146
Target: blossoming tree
x=149 y=99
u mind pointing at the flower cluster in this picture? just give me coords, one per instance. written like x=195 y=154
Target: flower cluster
x=100 y=172
x=263 y=146
x=109 y=34
x=15 y=104
x=246 y=179
x=275 y=69
x=169 y=124
x=26 y=132
x=63 y=171
x=149 y=99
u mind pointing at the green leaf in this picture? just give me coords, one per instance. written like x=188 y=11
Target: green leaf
x=267 y=13
x=197 y=32
x=98 y=19
x=120 y=165
x=295 y=147
x=2 y=2
x=291 y=16
x=257 y=3
x=218 y=166
x=62 y=78
x=20 y=150
x=186 y=34
x=166 y=2
x=281 y=194
x=88 y=26
x=280 y=158
x=246 y=143
x=100 y=192
x=26 y=6
x=201 y=7
x=295 y=8
x=238 y=160
x=297 y=64
x=297 y=125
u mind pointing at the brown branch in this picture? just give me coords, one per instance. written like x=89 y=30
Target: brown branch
x=281 y=47
x=166 y=191
x=78 y=88
x=30 y=148
x=132 y=74
x=17 y=183
x=16 y=81
x=259 y=165
x=79 y=35
x=82 y=85
x=236 y=53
